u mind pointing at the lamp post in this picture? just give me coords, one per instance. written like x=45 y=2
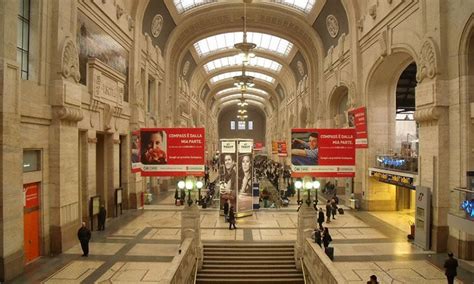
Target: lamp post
x=298 y=186
x=190 y=185
x=316 y=185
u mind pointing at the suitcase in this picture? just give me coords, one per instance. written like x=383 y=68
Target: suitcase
x=329 y=252
x=340 y=210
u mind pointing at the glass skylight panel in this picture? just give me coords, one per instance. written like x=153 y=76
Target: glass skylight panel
x=303 y=5
x=226 y=41
x=236 y=89
x=237 y=60
x=228 y=75
x=238 y=96
x=185 y=5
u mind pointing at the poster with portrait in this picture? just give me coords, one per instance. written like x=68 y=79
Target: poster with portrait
x=357 y=119
x=282 y=150
x=323 y=152
x=228 y=173
x=135 y=151
x=244 y=175
x=172 y=151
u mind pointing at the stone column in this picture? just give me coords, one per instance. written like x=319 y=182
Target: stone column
x=306 y=223
x=11 y=193
x=191 y=228
x=433 y=117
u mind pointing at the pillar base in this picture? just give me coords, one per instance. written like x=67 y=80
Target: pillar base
x=11 y=266
x=64 y=237
x=439 y=238
x=461 y=248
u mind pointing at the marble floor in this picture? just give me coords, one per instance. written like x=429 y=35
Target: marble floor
x=139 y=246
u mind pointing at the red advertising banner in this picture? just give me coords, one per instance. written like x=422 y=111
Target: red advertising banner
x=357 y=119
x=31 y=196
x=135 y=151
x=323 y=152
x=258 y=146
x=282 y=152
x=172 y=151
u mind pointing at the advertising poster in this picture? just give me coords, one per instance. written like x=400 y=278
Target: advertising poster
x=244 y=180
x=172 y=151
x=323 y=152
x=357 y=119
x=282 y=152
x=135 y=151
x=228 y=173
x=258 y=146
x=274 y=147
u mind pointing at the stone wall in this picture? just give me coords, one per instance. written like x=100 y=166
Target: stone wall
x=318 y=267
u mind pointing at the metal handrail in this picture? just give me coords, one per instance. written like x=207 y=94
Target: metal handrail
x=463 y=189
x=196 y=270
x=302 y=268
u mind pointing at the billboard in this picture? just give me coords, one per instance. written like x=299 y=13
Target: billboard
x=323 y=152
x=135 y=151
x=172 y=151
x=244 y=176
x=357 y=119
x=228 y=172
x=282 y=152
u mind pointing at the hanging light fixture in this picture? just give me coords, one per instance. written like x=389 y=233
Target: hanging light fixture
x=244 y=81
x=246 y=48
x=242 y=102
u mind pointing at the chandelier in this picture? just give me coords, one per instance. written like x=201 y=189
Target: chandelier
x=243 y=81
x=246 y=48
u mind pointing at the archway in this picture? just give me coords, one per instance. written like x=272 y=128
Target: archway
x=338 y=107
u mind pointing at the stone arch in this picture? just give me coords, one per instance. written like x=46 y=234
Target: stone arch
x=338 y=106
x=381 y=101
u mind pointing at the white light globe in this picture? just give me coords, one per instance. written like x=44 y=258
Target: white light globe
x=308 y=185
x=199 y=184
x=189 y=185
x=181 y=184
x=298 y=184
x=316 y=184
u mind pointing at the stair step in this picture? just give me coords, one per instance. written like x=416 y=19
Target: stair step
x=246 y=266
x=250 y=271
x=296 y=280
x=252 y=276
x=250 y=253
x=262 y=249
x=248 y=261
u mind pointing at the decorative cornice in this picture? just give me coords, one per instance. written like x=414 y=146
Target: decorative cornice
x=427 y=63
x=70 y=60
x=68 y=113
x=92 y=140
x=428 y=114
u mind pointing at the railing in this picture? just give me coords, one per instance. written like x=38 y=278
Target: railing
x=181 y=268
x=462 y=203
x=397 y=163
x=196 y=270
x=320 y=268
x=303 y=269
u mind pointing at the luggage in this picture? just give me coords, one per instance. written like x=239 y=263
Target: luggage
x=329 y=252
x=340 y=210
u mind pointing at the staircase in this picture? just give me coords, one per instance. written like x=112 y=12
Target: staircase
x=249 y=263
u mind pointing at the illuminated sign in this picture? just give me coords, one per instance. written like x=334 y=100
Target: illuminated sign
x=468 y=206
x=393 y=179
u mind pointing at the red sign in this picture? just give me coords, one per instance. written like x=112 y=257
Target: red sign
x=357 y=119
x=31 y=192
x=172 y=151
x=282 y=152
x=323 y=152
x=274 y=147
x=258 y=146
x=135 y=151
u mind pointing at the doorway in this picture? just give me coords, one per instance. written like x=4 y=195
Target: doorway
x=31 y=221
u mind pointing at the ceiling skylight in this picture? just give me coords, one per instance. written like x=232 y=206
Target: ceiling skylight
x=226 y=41
x=185 y=5
x=237 y=60
x=303 y=5
x=236 y=89
x=238 y=96
x=250 y=101
x=228 y=75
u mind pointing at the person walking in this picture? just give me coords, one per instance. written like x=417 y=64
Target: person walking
x=373 y=280
x=84 y=236
x=326 y=237
x=334 y=208
x=451 y=265
x=226 y=210
x=317 y=236
x=102 y=216
x=231 y=218
x=320 y=218
x=328 y=211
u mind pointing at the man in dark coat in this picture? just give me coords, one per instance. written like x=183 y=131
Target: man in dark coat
x=231 y=218
x=320 y=218
x=102 y=216
x=328 y=211
x=84 y=236
x=226 y=210
x=451 y=265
